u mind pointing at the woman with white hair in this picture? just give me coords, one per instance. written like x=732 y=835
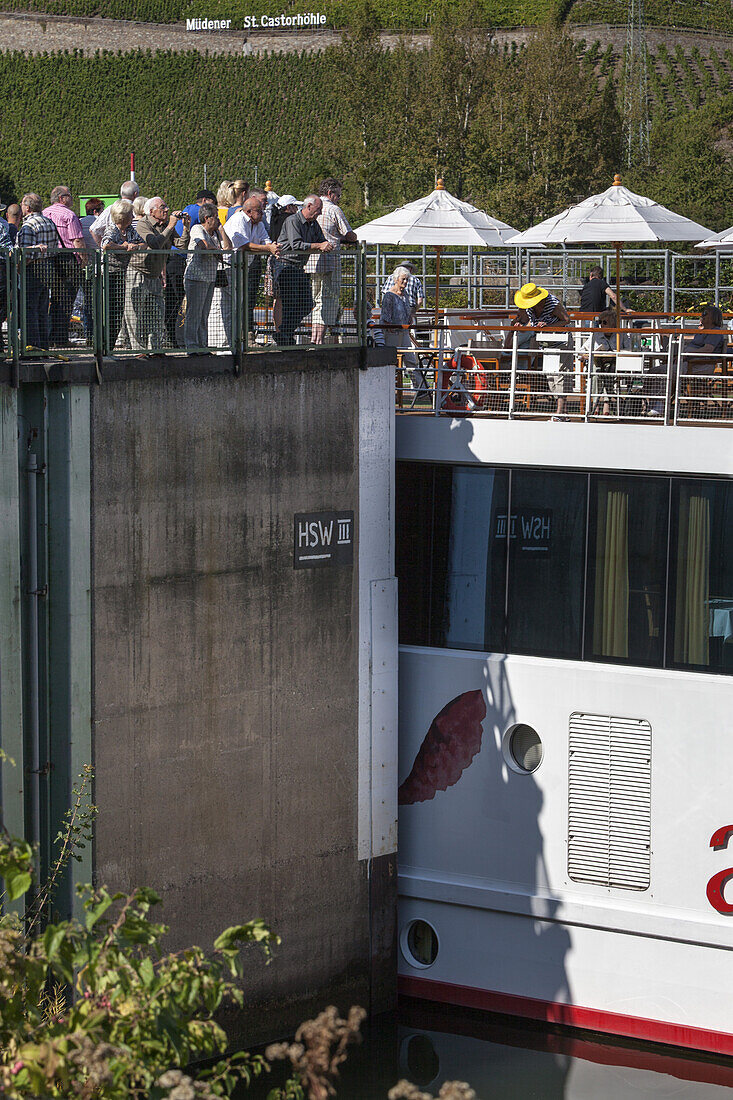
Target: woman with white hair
x=395 y=319
x=207 y=240
x=119 y=240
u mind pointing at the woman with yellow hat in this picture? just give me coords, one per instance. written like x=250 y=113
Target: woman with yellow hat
x=544 y=309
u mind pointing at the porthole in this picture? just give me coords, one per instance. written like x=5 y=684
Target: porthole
x=522 y=748
x=419 y=943
x=419 y=1060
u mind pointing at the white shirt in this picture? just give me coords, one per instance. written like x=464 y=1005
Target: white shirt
x=242 y=230
x=100 y=223
x=202 y=262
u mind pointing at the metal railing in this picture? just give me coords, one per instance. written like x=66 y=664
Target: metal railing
x=100 y=304
x=651 y=278
x=569 y=374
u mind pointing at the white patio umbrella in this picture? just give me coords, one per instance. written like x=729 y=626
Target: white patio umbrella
x=616 y=216
x=718 y=240
x=440 y=220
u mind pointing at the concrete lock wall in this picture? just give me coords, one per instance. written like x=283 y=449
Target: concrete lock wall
x=243 y=711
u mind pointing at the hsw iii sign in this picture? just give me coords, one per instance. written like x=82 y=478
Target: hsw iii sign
x=323 y=538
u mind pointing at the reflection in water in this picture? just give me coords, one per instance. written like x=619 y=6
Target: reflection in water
x=512 y=1060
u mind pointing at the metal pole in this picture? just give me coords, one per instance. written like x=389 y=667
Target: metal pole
x=33 y=778
x=438 y=250
x=668 y=382
x=618 y=296
x=359 y=297
x=438 y=383
x=680 y=341
x=13 y=317
x=96 y=296
x=513 y=379
x=235 y=297
x=717 y=276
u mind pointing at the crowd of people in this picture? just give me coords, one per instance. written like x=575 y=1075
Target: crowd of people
x=164 y=266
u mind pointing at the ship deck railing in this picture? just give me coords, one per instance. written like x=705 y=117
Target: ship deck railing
x=482 y=367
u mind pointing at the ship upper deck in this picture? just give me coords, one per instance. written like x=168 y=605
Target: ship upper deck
x=654 y=369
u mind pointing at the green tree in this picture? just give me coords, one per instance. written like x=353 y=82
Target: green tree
x=363 y=93
x=460 y=69
x=692 y=169
x=547 y=134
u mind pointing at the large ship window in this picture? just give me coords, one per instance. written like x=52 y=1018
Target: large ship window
x=701 y=576
x=627 y=555
x=567 y=565
x=451 y=554
x=546 y=563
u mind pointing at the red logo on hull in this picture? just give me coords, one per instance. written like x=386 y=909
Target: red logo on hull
x=716 y=886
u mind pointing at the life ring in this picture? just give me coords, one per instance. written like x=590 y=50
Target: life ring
x=463 y=393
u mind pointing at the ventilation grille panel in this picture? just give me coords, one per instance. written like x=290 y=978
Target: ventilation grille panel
x=609 y=803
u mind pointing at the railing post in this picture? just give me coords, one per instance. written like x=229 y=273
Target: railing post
x=98 y=331
x=358 y=296
x=437 y=382
x=668 y=381
x=513 y=379
x=674 y=383
x=22 y=310
x=589 y=387
x=362 y=261
x=238 y=301
x=13 y=317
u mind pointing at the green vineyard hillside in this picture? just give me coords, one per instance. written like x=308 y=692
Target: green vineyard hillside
x=389 y=129
x=714 y=15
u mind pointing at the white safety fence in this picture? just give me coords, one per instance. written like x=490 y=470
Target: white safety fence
x=563 y=374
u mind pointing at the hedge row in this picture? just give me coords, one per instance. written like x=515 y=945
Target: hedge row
x=84 y=112
x=75 y=120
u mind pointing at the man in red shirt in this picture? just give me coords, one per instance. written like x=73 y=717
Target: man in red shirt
x=67 y=274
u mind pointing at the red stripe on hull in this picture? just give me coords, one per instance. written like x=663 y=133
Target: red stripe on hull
x=590 y=1019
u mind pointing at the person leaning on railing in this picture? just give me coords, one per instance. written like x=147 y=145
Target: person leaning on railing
x=130 y=191
x=39 y=240
x=68 y=264
x=119 y=241
x=207 y=240
x=704 y=343
x=543 y=311
x=700 y=357
x=247 y=233
x=144 y=297
x=299 y=237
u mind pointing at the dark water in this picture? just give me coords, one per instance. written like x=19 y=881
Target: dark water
x=507 y=1060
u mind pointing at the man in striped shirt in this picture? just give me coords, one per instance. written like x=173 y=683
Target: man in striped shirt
x=38 y=238
x=325 y=268
x=544 y=309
